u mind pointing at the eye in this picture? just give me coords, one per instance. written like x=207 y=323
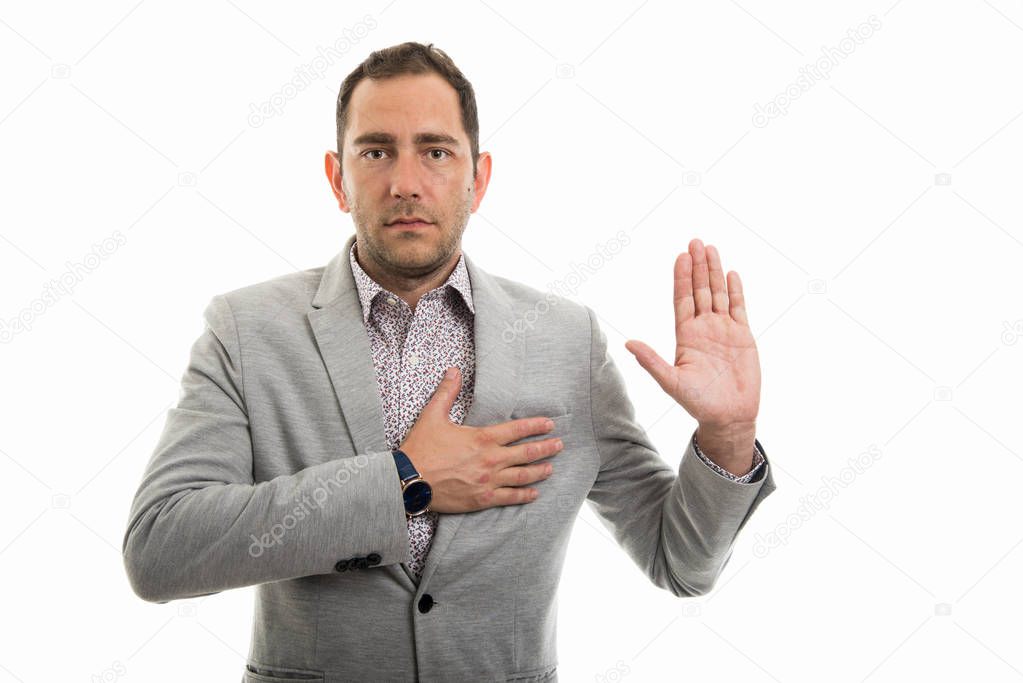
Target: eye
x=372 y=151
x=438 y=149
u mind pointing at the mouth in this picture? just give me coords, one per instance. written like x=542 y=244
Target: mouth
x=409 y=224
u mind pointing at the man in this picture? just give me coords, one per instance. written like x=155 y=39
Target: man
x=404 y=524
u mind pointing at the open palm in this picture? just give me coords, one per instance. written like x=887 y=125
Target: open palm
x=716 y=371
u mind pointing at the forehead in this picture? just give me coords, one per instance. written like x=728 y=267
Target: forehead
x=403 y=105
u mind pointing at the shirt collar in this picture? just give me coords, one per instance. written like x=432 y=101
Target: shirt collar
x=370 y=288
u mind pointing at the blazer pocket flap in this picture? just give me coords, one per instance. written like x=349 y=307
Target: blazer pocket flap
x=263 y=675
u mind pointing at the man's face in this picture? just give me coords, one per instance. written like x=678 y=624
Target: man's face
x=406 y=155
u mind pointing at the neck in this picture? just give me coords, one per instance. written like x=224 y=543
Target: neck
x=409 y=288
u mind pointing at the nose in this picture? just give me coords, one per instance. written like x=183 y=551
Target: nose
x=405 y=180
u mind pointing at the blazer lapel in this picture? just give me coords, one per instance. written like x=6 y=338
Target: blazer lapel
x=340 y=333
x=344 y=344
x=337 y=324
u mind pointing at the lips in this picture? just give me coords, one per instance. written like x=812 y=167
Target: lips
x=408 y=224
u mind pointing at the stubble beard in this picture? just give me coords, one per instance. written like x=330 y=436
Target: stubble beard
x=410 y=254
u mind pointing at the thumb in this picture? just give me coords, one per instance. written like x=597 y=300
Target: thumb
x=658 y=368
x=447 y=391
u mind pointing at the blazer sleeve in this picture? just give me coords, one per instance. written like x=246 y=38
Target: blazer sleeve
x=752 y=475
x=200 y=524
x=678 y=528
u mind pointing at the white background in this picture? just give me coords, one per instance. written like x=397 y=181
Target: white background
x=876 y=226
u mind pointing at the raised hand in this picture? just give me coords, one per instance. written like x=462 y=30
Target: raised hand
x=716 y=371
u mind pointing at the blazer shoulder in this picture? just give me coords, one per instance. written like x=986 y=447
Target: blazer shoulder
x=290 y=291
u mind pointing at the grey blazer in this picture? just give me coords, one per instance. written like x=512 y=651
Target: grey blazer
x=273 y=471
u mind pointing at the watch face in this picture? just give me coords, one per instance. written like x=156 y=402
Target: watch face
x=417 y=496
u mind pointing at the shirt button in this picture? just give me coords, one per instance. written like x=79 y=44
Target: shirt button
x=391 y=301
x=413 y=359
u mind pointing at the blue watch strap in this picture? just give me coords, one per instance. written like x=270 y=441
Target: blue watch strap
x=406 y=470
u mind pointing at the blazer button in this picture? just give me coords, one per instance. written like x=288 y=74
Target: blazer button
x=425 y=603
x=374 y=559
x=342 y=565
x=361 y=563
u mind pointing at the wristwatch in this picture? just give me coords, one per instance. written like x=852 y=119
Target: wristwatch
x=414 y=489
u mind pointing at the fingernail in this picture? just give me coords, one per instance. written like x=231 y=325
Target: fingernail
x=449 y=373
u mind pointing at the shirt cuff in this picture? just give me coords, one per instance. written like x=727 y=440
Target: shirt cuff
x=758 y=461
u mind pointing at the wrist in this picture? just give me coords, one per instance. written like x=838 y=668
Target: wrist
x=730 y=446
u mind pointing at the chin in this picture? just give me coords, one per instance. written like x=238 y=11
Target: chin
x=414 y=253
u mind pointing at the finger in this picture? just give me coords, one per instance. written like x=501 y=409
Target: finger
x=685 y=307
x=510 y=496
x=525 y=453
x=701 y=278
x=658 y=368
x=522 y=475
x=719 y=297
x=505 y=432
x=736 y=300
x=444 y=395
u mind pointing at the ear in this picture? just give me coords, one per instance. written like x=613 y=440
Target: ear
x=332 y=167
x=482 y=179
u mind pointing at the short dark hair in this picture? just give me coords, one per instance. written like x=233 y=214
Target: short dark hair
x=412 y=58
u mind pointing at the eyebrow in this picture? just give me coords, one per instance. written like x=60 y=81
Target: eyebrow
x=381 y=138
